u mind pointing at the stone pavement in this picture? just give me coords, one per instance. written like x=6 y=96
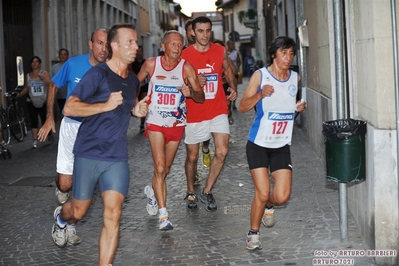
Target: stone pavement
x=309 y=223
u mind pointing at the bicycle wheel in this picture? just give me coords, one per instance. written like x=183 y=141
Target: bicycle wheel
x=4 y=127
x=16 y=123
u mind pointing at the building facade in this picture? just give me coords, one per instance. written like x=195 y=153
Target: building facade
x=42 y=27
x=235 y=24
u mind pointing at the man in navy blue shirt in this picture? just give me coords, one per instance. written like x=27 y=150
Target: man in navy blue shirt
x=104 y=98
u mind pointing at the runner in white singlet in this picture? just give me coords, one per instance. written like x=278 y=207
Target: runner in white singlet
x=273 y=90
x=172 y=80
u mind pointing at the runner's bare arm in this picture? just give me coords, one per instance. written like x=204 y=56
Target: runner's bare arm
x=146 y=69
x=251 y=95
x=46 y=78
x=301 y=104
x=194 y=90
x=49 y=124
x=75 y=107
x=233 y=67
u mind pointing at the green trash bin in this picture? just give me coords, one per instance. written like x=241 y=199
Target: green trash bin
x=345 y=150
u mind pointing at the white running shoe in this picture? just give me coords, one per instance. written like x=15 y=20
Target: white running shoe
x=59 y=234
x=152 y=204
x=61 y=196
x=253 y=242
x=72 y=238
x=268 y=218
x=165 y=224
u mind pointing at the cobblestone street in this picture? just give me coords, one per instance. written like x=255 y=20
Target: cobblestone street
x=308 y=223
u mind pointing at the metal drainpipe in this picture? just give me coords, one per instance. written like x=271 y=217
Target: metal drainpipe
x=302 y=51
x=340 y=94
x=396 y=77
x=45 y=29
x=59 y=26
x=3 y=85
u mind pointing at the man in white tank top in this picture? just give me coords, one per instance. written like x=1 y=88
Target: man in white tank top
x=172 y=80
x=233 y=54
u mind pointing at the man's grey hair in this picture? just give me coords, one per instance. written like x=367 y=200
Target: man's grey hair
x=170 y=32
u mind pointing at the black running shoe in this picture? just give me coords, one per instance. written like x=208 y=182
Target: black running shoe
x=209 y=201
x=191 y=201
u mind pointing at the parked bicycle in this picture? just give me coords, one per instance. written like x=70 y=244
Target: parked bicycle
x=16 y=120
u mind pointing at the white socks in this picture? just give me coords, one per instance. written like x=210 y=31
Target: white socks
x=163 y=212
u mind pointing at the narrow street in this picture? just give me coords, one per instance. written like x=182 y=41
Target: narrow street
x=309 y=223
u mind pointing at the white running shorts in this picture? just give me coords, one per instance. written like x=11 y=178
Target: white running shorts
x=202 y=131
x=65 y=157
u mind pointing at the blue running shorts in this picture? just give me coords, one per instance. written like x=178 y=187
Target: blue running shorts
x=109 y=176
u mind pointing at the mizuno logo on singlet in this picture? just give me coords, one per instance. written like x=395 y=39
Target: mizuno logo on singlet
x=281 y=116
x=213 y=77
x=76 y=80
x=170 y=89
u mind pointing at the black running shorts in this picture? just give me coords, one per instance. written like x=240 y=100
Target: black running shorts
x=276 y=159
